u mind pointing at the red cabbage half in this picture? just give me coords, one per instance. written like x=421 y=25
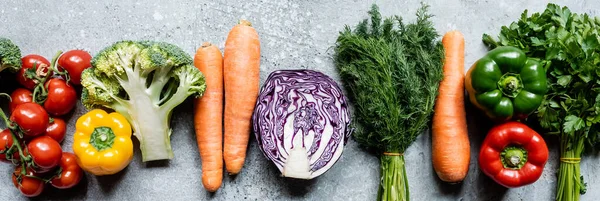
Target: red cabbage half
x=301 y=122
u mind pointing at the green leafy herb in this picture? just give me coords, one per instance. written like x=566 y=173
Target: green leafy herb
x=392 y=72
x=568 y=44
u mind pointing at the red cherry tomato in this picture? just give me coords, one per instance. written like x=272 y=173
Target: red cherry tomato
x=20 y=96
x=57 y=130
x=29 y=61
x=31 y=117
x=6 y=141
x=45 y=151
x=71 y=172
x=75 y=61
x=28 y=186
x=61 y=97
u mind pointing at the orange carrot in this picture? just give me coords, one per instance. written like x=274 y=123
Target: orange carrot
x=450 y=142
x=241 y=77
x=208 y=116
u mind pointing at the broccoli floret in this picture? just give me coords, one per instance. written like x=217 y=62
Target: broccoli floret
x=144 y=81
x=10 y=56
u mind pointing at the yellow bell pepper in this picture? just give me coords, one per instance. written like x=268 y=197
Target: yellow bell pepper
x=102 y=142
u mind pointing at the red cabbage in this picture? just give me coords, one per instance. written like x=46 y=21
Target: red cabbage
x=301 y=122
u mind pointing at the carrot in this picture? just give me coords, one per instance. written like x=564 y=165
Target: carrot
x=450 y=142
x=208 y=116
x=241 y=77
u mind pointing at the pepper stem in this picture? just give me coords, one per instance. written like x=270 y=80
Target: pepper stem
x=513 y=157
x=102 y=138
x=510 y=84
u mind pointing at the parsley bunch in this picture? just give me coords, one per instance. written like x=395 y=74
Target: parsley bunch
x=568 y=44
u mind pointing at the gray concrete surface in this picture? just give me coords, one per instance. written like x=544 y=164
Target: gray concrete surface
x=294 y=34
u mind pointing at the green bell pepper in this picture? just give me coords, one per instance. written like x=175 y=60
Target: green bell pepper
x=505 y=84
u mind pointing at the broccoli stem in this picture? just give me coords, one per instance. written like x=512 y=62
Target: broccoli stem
x=150 y=122
x=151 y=126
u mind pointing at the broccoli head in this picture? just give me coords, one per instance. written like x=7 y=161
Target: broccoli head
x=144 y=81
x=10 y=56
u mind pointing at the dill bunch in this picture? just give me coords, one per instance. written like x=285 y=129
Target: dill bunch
x=392 y=71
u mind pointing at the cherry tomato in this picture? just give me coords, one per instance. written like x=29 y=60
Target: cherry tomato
x=45 y=151
x=28 y=62
x=28 y=186
x=57 y=130
x=71 y=173
x=31 y=117
x=20 y=96
x=75 y=61
x=6 y=141
x=61 y=97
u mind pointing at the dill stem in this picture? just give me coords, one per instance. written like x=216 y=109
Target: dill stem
x=394 y=182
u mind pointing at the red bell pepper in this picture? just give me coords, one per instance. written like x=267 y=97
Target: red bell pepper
x=513 y=155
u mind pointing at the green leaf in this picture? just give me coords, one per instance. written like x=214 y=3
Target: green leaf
x=572 y=124
x=524 y=15
x=590 y=43
x=584 y=186
x=585 y=77
x=564 y=80
x=556 y=72
x=537 y=42
x=592 y=120
x=564 y=104
x=553 y=53
x=563 y=16
x=554 y=104
x=489 y=41
x=548 y=118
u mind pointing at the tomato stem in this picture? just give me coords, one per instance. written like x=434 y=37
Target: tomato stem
x=40 y=93
x=54 y=64
x=55 y=67
x=9 y=124
x=45 y=180
x=14 y=128
x=17 y=144
x=57 y=174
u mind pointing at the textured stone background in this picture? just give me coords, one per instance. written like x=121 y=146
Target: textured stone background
x=294 y=34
